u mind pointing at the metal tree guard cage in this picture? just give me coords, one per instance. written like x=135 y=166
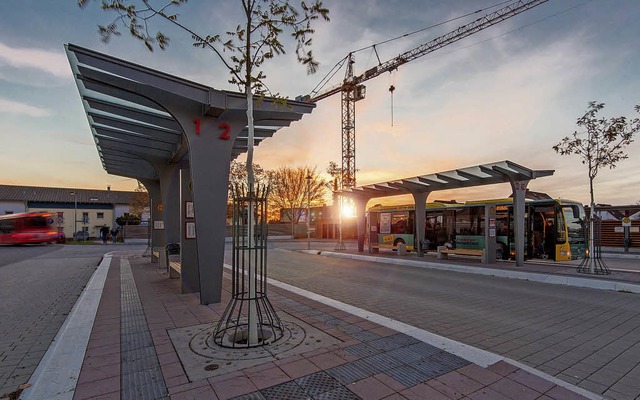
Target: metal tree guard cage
x=249 y=319
x=593 y=263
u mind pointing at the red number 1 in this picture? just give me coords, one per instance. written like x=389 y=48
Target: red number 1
x=197 y=122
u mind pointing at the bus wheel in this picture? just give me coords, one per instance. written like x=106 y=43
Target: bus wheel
x=398 y=241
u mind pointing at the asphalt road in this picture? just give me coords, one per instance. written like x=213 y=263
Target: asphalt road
x=584 y=336
x=38 y=287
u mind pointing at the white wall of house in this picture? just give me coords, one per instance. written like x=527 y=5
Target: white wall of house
x=12 y=207
x=95 y=220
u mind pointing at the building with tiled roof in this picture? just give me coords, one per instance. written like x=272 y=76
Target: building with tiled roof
x=92 y=208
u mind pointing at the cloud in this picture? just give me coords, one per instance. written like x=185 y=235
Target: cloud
x=13 y=107
x=52 y=62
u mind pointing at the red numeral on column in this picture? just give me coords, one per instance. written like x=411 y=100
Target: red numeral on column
x=197 y=122
x=225 y=134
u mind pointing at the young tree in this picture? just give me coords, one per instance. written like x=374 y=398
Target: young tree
x=238 y=173
x=335 y=172
x=293 y=188
x=600 y=145
x=253 y=42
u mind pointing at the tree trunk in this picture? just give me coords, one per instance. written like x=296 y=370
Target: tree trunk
x=253 y=314
x=592 y=212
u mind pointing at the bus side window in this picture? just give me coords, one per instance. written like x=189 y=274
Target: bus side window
x=6 y=226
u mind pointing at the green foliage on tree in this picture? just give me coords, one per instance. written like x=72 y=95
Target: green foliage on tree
x=601 y=143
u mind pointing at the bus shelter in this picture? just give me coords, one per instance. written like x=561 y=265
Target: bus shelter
x=178 y=138
x=421 y=186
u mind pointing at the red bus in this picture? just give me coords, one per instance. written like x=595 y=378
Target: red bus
x=27 y=228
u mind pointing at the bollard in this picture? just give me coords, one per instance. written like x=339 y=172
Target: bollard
x=402 y=249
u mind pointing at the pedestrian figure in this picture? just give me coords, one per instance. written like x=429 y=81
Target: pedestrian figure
x=114 y=234
x=104 y=233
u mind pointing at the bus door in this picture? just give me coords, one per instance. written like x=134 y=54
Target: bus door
x=542 y=227
x=511 y=232
x=435 y=230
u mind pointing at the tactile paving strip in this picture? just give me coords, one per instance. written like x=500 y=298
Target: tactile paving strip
x=141 y=377
x=402 y=357
x=340 y=393
x=288 y=390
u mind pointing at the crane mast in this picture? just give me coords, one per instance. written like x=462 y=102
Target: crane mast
x=352 y=89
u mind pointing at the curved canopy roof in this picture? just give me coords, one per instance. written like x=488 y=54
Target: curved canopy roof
x=484 y=174
x=132 y=129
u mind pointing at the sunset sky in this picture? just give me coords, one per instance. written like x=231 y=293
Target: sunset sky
x=508 y=93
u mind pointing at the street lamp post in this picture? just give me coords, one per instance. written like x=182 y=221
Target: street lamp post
x=308 y=178
x=75 y=214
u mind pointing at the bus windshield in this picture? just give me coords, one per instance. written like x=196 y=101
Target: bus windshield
x=574 y=225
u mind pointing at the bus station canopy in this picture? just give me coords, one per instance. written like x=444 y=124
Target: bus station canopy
x=422 y=185
x=178 y=138
x=133 y=130
x=484 y=174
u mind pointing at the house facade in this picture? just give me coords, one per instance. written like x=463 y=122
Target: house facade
x=73 y=210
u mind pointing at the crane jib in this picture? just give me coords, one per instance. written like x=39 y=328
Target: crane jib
x=352 y=89
x=429 y=47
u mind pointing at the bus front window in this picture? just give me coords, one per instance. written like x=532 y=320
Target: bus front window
x=574 y=225
x=561 y=236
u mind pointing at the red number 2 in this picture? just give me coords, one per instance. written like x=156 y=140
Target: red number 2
x=225 y=134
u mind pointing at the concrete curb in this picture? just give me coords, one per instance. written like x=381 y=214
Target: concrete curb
x=528 y=276
x=56 y=376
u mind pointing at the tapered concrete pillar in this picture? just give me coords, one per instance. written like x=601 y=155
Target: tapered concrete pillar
x=190 y=276
x=519 y=191
x=361 y=221
x=420 y=201
x=489 y=256
x=157 y=222
x=169 y=174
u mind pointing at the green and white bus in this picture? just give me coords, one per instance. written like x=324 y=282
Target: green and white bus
x=553 y=228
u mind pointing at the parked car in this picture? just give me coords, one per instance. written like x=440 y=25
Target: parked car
x=82 y=235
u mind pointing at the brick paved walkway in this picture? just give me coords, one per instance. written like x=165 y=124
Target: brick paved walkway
x=370 y=362
x=34 y=303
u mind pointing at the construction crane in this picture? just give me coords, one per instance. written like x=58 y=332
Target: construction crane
x=353 y=90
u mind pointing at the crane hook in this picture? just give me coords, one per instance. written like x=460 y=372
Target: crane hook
x=391 y=89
